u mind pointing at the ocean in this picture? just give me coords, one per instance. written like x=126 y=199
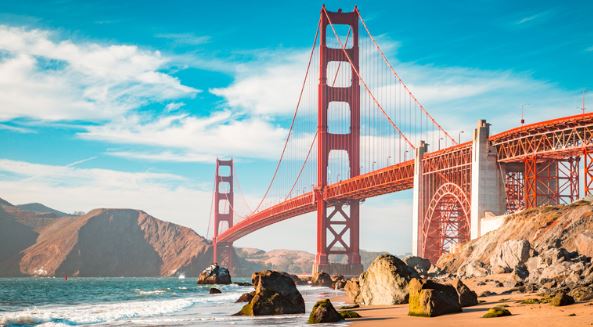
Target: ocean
x=133 y=302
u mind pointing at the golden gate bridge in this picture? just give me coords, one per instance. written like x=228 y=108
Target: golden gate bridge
x=358 y=131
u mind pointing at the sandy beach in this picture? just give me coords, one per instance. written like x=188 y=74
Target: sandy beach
x=536 y=315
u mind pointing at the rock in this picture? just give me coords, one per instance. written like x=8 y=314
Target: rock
x=348 y=307
x=352 y=289
x=582 y=293
x=338 y=282
x=243 y=284
x=508 y=255
x=472 y=269
x=214 y=290
x=520 y=273
x=275 y=293
x=421 y=265
x=297 y=280
x=467 y=297
x=497 y=312
x=431 y=299
x=245 y=297
x=323 y=312
x=385 y=282
x=347 y=314
x=487 y=293
x=584 y=243
x=561 y=299
x=214 y=274
x=321 y=279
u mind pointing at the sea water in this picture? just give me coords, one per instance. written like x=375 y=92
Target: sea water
x=133 y=302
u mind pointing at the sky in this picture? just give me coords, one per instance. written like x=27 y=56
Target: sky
x=127 y=104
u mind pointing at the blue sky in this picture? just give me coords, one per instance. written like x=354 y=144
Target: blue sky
x=127 y=103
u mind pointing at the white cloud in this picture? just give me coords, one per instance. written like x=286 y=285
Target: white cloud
x=48 y=79
x=267 y=88
x=195 y=138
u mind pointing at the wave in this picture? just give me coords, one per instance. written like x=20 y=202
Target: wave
x=105 y=313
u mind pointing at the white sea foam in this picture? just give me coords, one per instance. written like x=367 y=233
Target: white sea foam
x=107 y=312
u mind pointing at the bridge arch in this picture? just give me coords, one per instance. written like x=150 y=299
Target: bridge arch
x=447 y=221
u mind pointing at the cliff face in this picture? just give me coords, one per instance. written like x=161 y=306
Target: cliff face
x=104 y=242
x=544 y=227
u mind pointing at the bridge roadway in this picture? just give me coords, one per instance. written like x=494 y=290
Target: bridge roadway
x=552 y=139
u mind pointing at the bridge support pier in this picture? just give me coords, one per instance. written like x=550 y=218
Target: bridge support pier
x=418 y=199
x=487 y=187
x=338 y=222
x=223 y=212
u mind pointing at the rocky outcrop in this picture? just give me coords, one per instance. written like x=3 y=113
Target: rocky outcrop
x=508 y=255
x=421 y=265
x=431 y=299
x=275 y=293
x=506 y=249
x=467 y=297
x=584 y=243
x=214 y=274
x=352 y=289
x=557 y=267
x=214 y=290
x=324 y=312
x=385 y=282
x=321 y=279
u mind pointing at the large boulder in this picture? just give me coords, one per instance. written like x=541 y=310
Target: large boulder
x=431 y=299
x=508 y=255
x=324 y=312
x=385 y=282
x=214 y=274
x=275 y=293
x=352 y=290
x=584 y=243
x=321 y=279
x=467 y=297
x=421 y=265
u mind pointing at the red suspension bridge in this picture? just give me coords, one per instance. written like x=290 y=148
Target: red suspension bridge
x=372 y=137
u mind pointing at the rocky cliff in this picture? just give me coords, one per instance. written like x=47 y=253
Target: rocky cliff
x=568 y=227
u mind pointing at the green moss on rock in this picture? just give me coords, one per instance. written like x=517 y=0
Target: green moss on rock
x=348 y=314
x=496 y=312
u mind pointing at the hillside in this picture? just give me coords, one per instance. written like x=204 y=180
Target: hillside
x=104 y=242
x=36 y=240
x=544 y=228
x=41 y=209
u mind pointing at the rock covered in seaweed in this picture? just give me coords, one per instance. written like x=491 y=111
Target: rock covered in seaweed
x=275 y=293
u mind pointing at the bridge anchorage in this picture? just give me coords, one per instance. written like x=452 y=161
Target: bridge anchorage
x=374 y=137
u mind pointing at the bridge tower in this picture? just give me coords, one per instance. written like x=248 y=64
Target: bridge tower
x=223 y=211
x=338 y=222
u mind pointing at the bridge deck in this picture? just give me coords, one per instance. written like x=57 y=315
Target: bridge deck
x=566 y=136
